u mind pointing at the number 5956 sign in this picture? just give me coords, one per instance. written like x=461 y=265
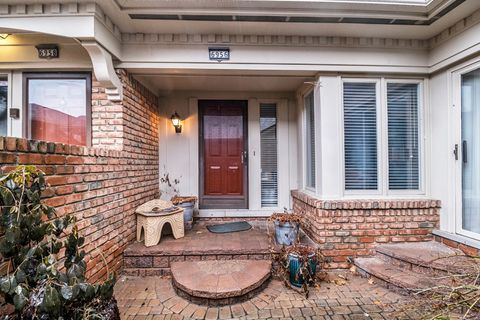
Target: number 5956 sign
x=219 y=54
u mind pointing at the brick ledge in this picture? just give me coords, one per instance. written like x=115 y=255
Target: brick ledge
x=377 y=204
x=14 y=144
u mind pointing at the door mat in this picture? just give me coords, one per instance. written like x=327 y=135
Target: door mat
x=229 y=227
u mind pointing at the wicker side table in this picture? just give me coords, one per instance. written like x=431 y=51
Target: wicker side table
x=153 y=215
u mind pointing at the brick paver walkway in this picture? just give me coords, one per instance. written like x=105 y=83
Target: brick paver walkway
x=154 y=298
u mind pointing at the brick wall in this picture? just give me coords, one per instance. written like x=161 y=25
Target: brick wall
x=348 y=228
x=101 y=185
x=465 y=248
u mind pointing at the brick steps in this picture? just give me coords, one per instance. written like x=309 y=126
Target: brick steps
x=411 y=267
x=391 y=276
x=426 y=257
x=198 y=245
x=220 y=282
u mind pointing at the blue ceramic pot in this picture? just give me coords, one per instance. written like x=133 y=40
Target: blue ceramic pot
x=294 y=267
x=286 y=233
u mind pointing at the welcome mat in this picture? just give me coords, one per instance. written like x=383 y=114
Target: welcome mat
x=229 y=227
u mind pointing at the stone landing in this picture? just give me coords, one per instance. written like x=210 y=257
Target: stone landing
x=220 y=282
x=199 y=245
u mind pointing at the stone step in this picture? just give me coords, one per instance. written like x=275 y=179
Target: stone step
x=428 y=257
x=393 y=277
x=220 y=282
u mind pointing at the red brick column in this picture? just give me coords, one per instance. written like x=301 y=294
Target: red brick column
x=349 y=228
x=101 y=185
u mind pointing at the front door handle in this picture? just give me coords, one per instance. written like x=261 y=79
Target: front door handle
x=464 y=151
x=244 y=156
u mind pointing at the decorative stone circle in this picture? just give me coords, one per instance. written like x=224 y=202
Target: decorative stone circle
x=220 y=282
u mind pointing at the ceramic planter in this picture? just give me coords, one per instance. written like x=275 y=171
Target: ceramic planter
x=294 y=263
x=286 y=232
x=187 y=213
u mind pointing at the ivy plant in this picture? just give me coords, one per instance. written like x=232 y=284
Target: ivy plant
x=46 y=268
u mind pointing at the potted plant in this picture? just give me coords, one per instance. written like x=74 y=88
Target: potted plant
x=187 y=203
x=300 y=266
x=169 y=190
x=46 y=274
x=286 y=227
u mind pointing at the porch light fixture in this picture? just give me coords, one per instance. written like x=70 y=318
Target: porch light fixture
x=177 y=122
x=4 y=36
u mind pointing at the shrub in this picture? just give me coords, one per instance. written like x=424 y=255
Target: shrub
x=36 y=283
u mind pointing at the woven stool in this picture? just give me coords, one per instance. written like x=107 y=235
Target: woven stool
x=152 y=216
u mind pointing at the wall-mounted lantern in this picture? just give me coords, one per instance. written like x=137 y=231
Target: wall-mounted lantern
x=177 y=122
x=4 y=36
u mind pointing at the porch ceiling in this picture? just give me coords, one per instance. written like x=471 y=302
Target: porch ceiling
x=220 y=82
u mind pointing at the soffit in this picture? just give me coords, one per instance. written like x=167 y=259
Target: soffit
x=185 y=16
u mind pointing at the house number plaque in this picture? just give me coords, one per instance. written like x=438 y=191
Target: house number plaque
x=48 y=51
x=219 y=54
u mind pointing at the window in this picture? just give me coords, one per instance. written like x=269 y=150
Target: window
x=268 y=144
x=360 y=136
x=365 y=152
x=403 y=137
x=310 y=140
x=58 y=107
x=3 y=105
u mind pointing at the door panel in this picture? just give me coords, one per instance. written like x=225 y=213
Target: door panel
x=470 y=151
x=223 y=140
x=466 y=111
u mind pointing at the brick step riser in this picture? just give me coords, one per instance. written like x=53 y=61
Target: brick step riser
x=160 y=265
x=411 y=266
x=388 y=285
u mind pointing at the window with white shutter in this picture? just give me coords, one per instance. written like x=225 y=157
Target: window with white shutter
x=310 y=140
x=360 y=135
x=268 y=145
x=403 y=136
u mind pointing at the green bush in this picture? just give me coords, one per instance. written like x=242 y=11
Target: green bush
x=36 y=283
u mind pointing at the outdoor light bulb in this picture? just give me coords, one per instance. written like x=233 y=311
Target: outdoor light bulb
x=177 y=122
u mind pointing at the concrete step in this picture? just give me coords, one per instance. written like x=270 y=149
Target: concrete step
x=220 y=282
x=393 y=277
x=428 y=257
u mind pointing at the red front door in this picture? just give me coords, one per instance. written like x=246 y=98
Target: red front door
x=223 y=165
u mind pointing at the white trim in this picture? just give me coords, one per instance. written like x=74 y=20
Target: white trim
x=235 y=213
x=8 y=75
x=254 y=155
x=192 y=125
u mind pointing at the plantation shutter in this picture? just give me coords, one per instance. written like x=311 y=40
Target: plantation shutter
x=360 y=135
x=310 y=135
x=403 y=136
x=268 y=144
